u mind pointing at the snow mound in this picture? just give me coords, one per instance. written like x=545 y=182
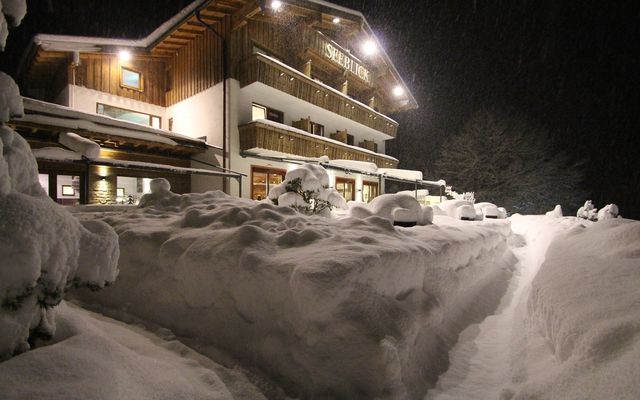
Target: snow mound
x=400 y=208
x=607 y=212
x=588 y=211
x=43 y=248
x=585 y=302
x=555 y=213
x=77 y=143
x=336 y=308
x=15 y=10
x=96 y=358
x=160 y=196
x=10 y=100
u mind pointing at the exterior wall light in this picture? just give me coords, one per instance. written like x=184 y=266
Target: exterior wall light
x=336 y=20
x=369 y=48
x=124 y=55
x=276 y=5
x=398 y=91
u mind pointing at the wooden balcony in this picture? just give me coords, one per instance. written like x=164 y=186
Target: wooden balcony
x=263 y=69
x=258 y=134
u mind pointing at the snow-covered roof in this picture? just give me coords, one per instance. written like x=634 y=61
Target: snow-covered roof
x=60 y=154
x=94 y=44
x=45 y=113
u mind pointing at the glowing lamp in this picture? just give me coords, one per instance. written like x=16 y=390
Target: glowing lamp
x=336 y=20
x=124 y=55
x=369 y=48
x=276 y=5
x=398 y=91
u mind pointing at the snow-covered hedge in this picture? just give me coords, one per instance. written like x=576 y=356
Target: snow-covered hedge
x=333 y=308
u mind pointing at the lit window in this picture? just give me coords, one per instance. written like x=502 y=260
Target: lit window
x=128 y=115
x=131 y=79
x=263 y=180
x=262 y=112
x=346 y=188
x=258 y=112
x=369 y=191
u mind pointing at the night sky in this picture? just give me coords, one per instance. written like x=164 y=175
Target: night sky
x=571 y=67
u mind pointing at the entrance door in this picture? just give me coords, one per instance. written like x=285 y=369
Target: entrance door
x=346 y=187
x=263 y=180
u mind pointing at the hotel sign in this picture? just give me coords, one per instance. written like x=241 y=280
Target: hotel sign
x=336 y=54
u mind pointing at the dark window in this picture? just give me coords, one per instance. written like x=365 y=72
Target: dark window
x=350 y=139
x=317 y=129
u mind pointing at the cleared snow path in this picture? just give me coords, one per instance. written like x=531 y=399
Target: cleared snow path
x=480 y=363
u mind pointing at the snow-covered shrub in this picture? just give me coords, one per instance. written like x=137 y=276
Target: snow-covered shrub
x=607 y=212
x=11 y=14
x=306 y=189
x=458 y=209
x=43 y=248
x=556 y=212
x=398 y=208
x=588 y=211
x=161 y=194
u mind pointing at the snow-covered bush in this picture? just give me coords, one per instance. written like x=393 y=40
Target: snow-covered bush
x=161 y=194
x=11 y=14
x=400 y=209
x=458 y=209
x=588 y=211
x=607 y=212
x=306 y=189
x=43 y=248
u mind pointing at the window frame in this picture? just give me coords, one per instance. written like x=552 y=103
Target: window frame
x=266 y=170
x=267 y=111
x=140 y=75
x=370 y=184
x=151 y=116
x=340 y=179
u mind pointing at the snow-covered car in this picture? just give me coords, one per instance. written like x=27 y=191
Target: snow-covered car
x=401 y=209
x=490 y=210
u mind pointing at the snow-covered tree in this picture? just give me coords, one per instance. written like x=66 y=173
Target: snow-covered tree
x=505 y=160
x=588 y=211
x=306 y=189
x=43 y=249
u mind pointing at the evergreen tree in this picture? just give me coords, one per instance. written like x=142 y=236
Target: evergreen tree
x=507 y=161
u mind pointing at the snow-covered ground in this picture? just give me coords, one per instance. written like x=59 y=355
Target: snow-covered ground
x=349 y=308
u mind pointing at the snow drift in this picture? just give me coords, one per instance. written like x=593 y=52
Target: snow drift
x=584 y=301
x=347 y=308
x=95 y=358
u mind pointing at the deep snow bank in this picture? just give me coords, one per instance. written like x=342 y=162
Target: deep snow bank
x=350 y=308
x=584 y=301
x=94 y=357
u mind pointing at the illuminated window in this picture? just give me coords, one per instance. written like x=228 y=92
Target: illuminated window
x=369 y=191
x=263 y=180
x=261 y=112
x=131 y=79
x=128 y=115
x=346 y=187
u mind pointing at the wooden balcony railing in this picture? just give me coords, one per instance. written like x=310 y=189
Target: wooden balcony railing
x=263 y=69
x=266 y=136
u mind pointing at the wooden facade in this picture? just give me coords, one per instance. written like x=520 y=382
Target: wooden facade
x=260 y=135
